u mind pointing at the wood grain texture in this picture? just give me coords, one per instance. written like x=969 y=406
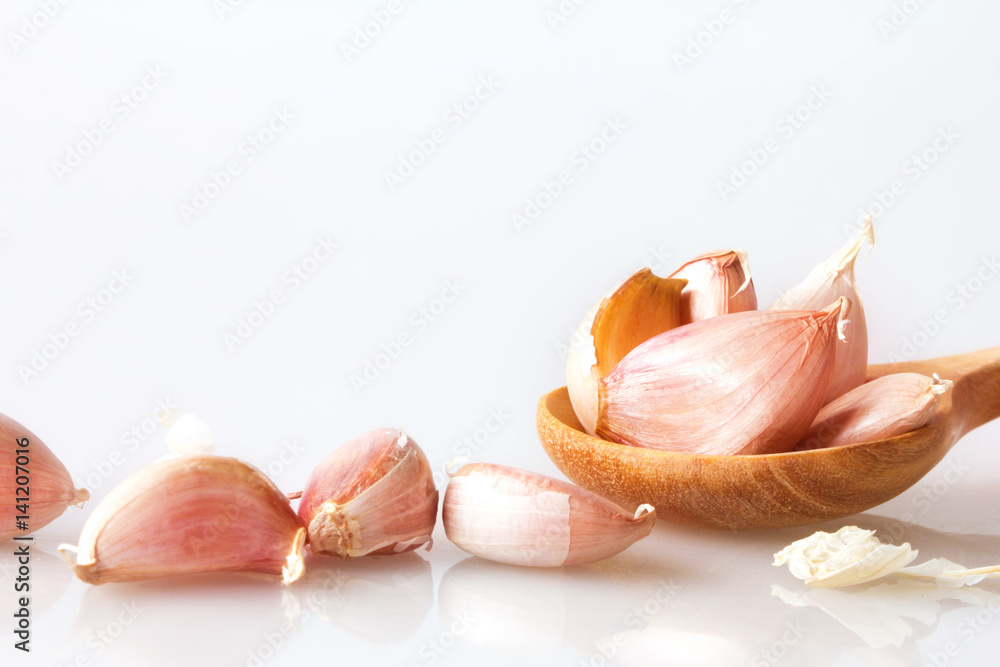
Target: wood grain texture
x=775 y=490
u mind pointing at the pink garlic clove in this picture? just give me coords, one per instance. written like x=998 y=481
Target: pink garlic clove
x=524 y=518
x=31 y=476
x=885 y=407
x=719 y=283
x=187 y=515
x=747 y=383
x=374 y=495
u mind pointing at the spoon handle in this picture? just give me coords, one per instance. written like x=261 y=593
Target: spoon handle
x=976 y=394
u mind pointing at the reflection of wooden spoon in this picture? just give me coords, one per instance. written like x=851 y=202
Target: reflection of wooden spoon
x=776 y=490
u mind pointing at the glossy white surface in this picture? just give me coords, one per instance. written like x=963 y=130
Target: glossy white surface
x=498 y=305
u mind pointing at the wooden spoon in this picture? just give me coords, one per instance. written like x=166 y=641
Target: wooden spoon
x=775 y=490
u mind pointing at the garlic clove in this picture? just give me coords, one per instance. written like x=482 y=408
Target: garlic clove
x=524 y=518
x=849 y=556
x=827 y=282
x=641 y=307
x=746 y=383
x=187 y=515
x=374 y=495
x=190 y=436
x=48 y=490
x=719 y=283
x=885 y=407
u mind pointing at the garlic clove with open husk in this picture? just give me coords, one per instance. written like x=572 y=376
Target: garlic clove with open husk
x=374 y=495
x=719 y=283
x=34 y=484
x=849 y=556
x=641 y=307
x=885 y=407
x=186 y=515
x=746 y=383
x=827 y=282
x=524 y=518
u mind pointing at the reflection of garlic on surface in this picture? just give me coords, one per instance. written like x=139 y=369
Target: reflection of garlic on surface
x=849 y=556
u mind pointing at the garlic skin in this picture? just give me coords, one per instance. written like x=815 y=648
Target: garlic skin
x=639 y=308
x=885 y=407
x=827 y=282
x=374 y=495
x=849 y=556
x=50 y=486
x=523 y=518
x=719 y=283
x=186 y=515
x=746 y=383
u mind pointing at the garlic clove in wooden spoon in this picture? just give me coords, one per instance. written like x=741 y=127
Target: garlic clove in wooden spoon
x=746 y=383
x=719 y=283
x=827 y=282
x=643 y=306
x=885 y=407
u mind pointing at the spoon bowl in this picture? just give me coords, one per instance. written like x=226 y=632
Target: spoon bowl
x=775 y=490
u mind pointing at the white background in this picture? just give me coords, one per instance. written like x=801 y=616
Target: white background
x=651 y=197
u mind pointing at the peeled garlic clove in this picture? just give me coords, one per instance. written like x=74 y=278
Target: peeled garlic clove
x=374 y=495
x=827 y=282
x=47 y=489
x=641 y=307
x=885 y=407
x=523 y=518
x=849 y=556
x=719 y=283
x=747 y=383
x=187 y=515
x=190 y=436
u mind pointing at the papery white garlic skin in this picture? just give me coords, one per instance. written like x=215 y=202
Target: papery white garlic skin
x=885 y=407
x=190 y=436
x=523 y=518
x=581 y=372
x=849 y=556
x=719 y=283
x=826 y=283
x=50 y=488
x=188 y=515
x=745 y=383
x=373 y=495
